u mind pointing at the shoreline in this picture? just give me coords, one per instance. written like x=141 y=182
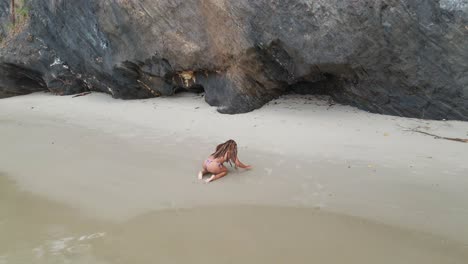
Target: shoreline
x=130 y=157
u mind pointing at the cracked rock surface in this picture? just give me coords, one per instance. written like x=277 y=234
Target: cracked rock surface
x=398 y=57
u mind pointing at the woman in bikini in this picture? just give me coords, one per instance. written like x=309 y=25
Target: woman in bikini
x=226 y=152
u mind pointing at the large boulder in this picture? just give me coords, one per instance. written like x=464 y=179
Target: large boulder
x=399 y=57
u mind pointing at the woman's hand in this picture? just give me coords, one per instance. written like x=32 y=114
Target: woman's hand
x=243 y=166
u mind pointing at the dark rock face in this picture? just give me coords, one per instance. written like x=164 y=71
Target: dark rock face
x=400 y=57
x=4 y=11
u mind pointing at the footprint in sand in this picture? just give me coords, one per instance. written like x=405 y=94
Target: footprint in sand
x=280 y=162
x=319 y=186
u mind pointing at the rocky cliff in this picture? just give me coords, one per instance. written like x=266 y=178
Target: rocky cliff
x=399 y=57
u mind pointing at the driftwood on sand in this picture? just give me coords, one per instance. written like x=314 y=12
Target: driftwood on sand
x=81 y=94
x=463 y=140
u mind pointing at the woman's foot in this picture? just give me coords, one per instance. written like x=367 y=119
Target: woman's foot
x=210 y=179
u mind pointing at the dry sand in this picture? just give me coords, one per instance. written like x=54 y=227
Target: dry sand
x=116 y=160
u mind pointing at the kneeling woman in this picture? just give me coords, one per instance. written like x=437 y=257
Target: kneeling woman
x=226 y=152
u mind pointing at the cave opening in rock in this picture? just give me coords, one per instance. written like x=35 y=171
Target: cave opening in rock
x=316 y=84
x=195 y=88
x=20 y=80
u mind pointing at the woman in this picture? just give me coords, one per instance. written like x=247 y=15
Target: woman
x=226 y=152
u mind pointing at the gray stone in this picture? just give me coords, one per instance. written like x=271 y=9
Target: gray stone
x=405 y=57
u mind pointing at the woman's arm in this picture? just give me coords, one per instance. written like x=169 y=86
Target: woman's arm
x=242 y=165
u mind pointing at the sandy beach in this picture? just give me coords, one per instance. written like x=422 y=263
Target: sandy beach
x=114 y=160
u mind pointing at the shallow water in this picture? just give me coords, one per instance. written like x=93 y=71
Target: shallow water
x=36 y=230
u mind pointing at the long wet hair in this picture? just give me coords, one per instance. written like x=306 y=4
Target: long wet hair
x=229 y=147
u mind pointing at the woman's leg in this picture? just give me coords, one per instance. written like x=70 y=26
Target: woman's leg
x=201 y=173
x=215 y=177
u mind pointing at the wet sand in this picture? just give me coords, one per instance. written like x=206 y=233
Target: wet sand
x=134 y=163
x=228 y=234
